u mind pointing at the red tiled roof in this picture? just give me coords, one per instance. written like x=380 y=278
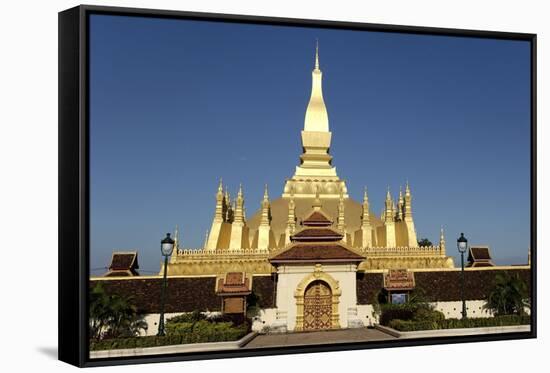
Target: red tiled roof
x=480 y=253
x=319 y=252
x=479 y=257
x=123 y=261
x=234 y=284
x=317 y=218
x=234 y=278
x=123 y=264
x=317 y=233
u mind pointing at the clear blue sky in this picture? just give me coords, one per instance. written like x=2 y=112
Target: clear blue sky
x=175 y=105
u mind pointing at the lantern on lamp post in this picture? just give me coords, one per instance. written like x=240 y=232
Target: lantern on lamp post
x=166 y=248
x=462 y=244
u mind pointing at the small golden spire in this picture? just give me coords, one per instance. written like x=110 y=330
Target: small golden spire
x=206 y=238
x=265 y=218
x=388 y=195
x=317 y=201
x=220 y=186
x=176 y=238
x=407 y=188
x=365 y=196
x=442 y=240
x=240 y=193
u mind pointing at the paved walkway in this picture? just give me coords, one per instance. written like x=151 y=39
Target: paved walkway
x=320 y=337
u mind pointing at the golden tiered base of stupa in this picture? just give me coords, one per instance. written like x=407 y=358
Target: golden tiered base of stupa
x=207 y=262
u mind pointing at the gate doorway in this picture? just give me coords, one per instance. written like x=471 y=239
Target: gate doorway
x=318 y=306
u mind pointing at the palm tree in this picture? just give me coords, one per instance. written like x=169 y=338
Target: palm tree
x=509 y=295
x=113 y=316
x=100 y=312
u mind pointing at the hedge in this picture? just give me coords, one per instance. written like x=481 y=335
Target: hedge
x=180 y=334
x=410 y=325
x=409 y=312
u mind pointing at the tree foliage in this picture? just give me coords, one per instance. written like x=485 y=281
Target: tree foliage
x=509 y=295
x=424 y=242
x=113 y=316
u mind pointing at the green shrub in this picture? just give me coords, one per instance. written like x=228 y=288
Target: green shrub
x=410 y=326
x=425 y=314
x=187 y=317
x=414 y=325
x=179 y=333
x=396 y=312
x=408 y=311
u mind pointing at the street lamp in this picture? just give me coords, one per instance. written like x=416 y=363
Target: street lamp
x=462 y=244
x=166 y=247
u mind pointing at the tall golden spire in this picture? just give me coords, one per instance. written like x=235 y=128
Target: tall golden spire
x=265 y=235
x=239 y=206
x=316 y=114
x=400 y=205
x=407 y=203
x=265 y=217
x=366 y=239
x=389 y=207
x=316 y=160
x=317 y=54
x=366 y=217
x=220 y=204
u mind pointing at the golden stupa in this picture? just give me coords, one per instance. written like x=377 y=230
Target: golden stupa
x=237 y=244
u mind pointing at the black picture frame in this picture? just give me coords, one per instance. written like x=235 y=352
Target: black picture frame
x=74 y=182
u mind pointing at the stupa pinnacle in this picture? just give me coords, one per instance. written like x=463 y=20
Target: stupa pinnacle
x=315 y=170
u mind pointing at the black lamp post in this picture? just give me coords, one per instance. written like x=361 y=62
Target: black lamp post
x=462 y=244
x=166 y=247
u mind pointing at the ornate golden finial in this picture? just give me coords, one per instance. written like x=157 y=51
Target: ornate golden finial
x=220 y=186
x=206 y=238
x=266 y=196
x=442 y=240
x=388 y=195
x=400 y=193
x=407 y=188
x=240 y=193
x=176 y=238
x=316 y=54
x=365 y=196
x=317 y=201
